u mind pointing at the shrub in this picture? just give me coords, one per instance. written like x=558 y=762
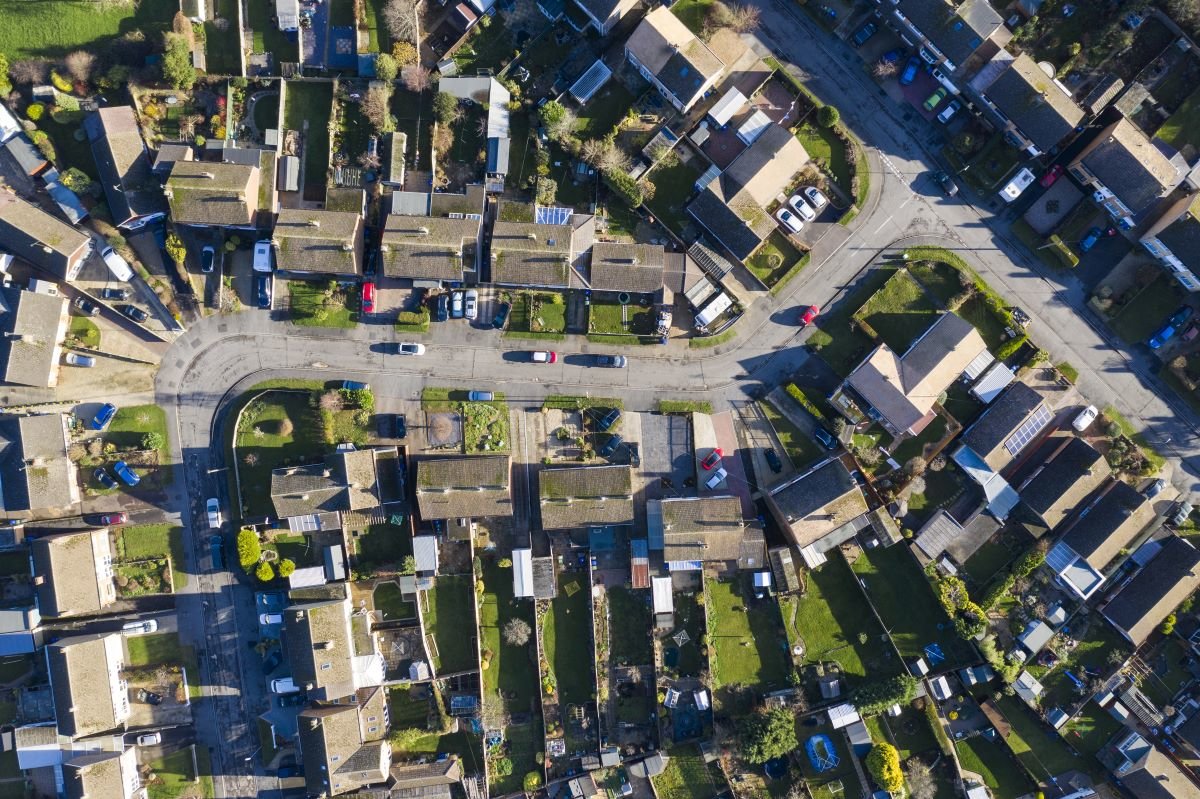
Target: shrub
x=997 y=592
x=876 y=697
x=532 y=781
x=1168 y=625
x=1029 y=562
x=883 y=761
x=767 y=735
x=386 y=68
x=502 y=767
x=286 y=567
x=265 y=572
x=153 y=440
x=828 y=116
x=35 y=111
x=44 y=145
x=625 y=187
x=60 y=82
x=445 y=106
x=249 y=550
x=1010 y=347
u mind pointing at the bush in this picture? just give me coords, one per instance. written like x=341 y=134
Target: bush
x=532 y=781
x=502 y=767
x=883 y=761
x=874 y=698
x=767 y=735
x=386 y=68
x=445 y=105
x=61 y=83
x=153 y=441
x=286 y=567
x=624 y=186
x=1010 y=347
x=35 y=111
x=1031 y=560
x=249 y=550
x=1168 y=625
x=265 y=572
x=997 y=592
x=828 y=116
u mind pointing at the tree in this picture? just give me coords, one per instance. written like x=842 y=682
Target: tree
x=445 y=108
x=175 y=249
x=416 y=79
x=81 y=63
x=408 y=565
x=386 y=68
x=286 y=567
x=177 y=68
x=743 y=19
x=919 y=777
x=517 y=632
x=249 y=550
x=5 y=85
x=503 y=767
x=559 y=121
x=1168 y=625
x=547 y=191
x=400 y=17
x=265 y=572
x=153 y=440
x=1185 y=12
x=767 y=735
x=404 y=53
x=875 y=697
x=828 y=116
x=883 y=761
x=376 y=111
x=882 y=69
x=604 y=155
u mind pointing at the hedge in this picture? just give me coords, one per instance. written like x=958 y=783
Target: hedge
x=1065 y=255
x=624 y=186
x=684 y=406
x=876 y=697
x=795 y=392
x=1010 y=347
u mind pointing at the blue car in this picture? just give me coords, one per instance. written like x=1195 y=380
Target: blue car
x=105 y=416
x=1161 y=337
x=1089 y=241
x=910 y=71
x=127 y=475
x=102 y=477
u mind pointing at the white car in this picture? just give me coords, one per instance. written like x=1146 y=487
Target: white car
x=717 y=478
x=284 y=685
x=140 y=627
x=815 y=197
x=149 y=739
x=804 y=209
x=456 y=305
x=410 y=349
x=1085 y=418
x=267 y=619
x=213 y=508
x=471 y=309
x=789 y=220
x=119 y=267
x=75 y=359
x=262 y=256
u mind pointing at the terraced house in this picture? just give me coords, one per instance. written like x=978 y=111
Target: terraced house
x=629 y=268
x=692 y=532
x=539 y=255
x=331 y=648
x=90 y=697
x=35 y=471
x=957 y=38
x=134 y=195
x=109 y=774
x=208 y=194
x=344 y=746
x=73 y=574
x=1175 y=241
x=318 y=243
x=32 y=328
x=467 y=487
x=1033 y=109
x=429 y=250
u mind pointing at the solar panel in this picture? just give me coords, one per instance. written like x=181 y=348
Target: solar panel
x=1026 y=432
x=544 y=215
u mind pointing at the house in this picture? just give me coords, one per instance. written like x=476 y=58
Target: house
x=629 y=268
x=695 y=531
x=1037 y=112
x=900 y=391
x=35 y=236
x=539 y=255
x=1174 y=239
x=331 y=649
x=323 y=243
x=134 y=196
x=167 y=155
x=90 y=697
x=673 y=59
x=208 y=194
x=32 y=328
x=344 y=747
x=1144 y=771
x=429 y=248
x=819 y=509
x=107 y=774
x=72 y=573
x=958 y=37
x=1128 y=174
x=604 y=14
x=1108 y=525
x=1142 y=604
x=35 y=472
x=425 y=780
x=585 y=496
x=1007 y=426
x=732 y=206
x=943 y=535
x=343 y=481
x=473 y=487
x=1066 y=470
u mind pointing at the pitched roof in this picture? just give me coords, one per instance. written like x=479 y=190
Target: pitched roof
x=585 y=496
x=32 y=326
x=337 y=759
x=28 y=158
x=35 y=471
x=1000 y=419
x=1071 y=469
x=420 y=775
x=818 y=502
x=766 y=167
x=427 y=247
x=96 y=774
x=705 y=529
x=529 y=254
x=324 y=242
x=209 y=193
x=320 y=648
x=80 y=670
x=1182 y=237
x=1131 y=166
x=957 y=32
x=22 y=223
x=1108 y=524
x=603 y=9
x=343 y=481
x=680 y=61
x=1171 y=577
x=124 y=165
x=1042 y=111
x=740 y=235
x=168 y=154
x=67 y=573
x=469 y=486
x=635 y=268
x=904 y=389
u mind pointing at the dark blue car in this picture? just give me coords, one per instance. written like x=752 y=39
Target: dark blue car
x=1089 y=241
x=910 y=71
x=105 y=416
x=102 y=477
x=127 y=475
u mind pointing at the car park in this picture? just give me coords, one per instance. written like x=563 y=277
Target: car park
x=772 y=458
x=104 y=416
x=149 y=739
x=816 y=198
x=1154 y=489
x=368 y=297
x=809 y=315
x=717 y=478
x=264 y=292
x=947 y=184
x=802 y=208
x=501 y=315
x=471 y=304
x=911 y=68
x=789 y=220
x=410 y=348
x=935 y=99
x=75 y=359
x=104 y=478
x=947 y=113
x=1051 y=176
x=114 y=294
x=712 y=459
x=864 y=34
x=456 y=305
x=822 y=435
x=543 y=356
x=1085 y=418
x=442 y=306
x=610 y=446
x=86 y=306
x=208 y=259
x=480 y=396
x=262 y=255
x=608 y=420
x=611 y=361
x=128 y=476
x=133 y=312
x=140 y=627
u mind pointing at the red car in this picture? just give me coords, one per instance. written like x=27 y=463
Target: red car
x=1054 y=174
x=713 y=459
x=810 y=313
x=368 y=298
x=113 y=519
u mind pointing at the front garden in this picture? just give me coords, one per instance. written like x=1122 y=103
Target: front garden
x=322 y=304
x=537 y=315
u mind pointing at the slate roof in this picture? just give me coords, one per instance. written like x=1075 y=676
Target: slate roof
x=711 y=209
x=23 y=224
x=123 y=164
x=1140 y=607
x=168 y=154
x=209 y=193
x=469 y=486
x=421 y=775
x=66 y=564
x=427 y=247
x=1130 y=166
x=344 y=481
x=957 y=32
x=1043 y=113
x=999 y=421
x=766 y=167
x=1071 y=470
x=528 y=254
x=1108 y=524
x=705 y=529
x=35 y=471
x=320 y=649
x=817 y=502
x=32 y=327
x=1182 y=237
x=672 y=53
x=95 y=774
x=79 y=676
x=333 y=246
x=635 y=268
x=585 y=496
x=336 y=758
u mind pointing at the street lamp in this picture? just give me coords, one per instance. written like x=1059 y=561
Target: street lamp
x=250 y=756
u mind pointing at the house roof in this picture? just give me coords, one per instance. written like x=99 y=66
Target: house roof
x=337 y=757
x=1108 y=524
x=529 y=254
x=168 y=154
x=32 y=326
x=427 y=247
x=22 y=223
x=603 y=9
x=766 y=167
x=1071 y=469
x=740 y=234
x=704 y=529
x=123 y=164
x=66 y=572
x=1043 y=112
x=469 y=486
x=585 y=496
x=904 y=389
x=421 y=775
x=957 y=32
x=95 y=774
x=618 y=266
x=1131 y=166
x=818 y=502
x=1140 y=607
x=35 y=471
x=1182 y=237
x=210 y=193
x=28 y=157
x=680 y=61
x=343 y=481
x=333 y=245
x=1001 y=419
x=79 y=676
x=320 y=648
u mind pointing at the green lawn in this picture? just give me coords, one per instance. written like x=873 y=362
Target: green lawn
x=268 y=38
x=1146 y=312
x=414 y=117
x=537 y=316
x=307 y=108
x=685 y=777
x=132 y=423
x=939 y=279
x=839 y=343
x=837 y=783
x=13 y=667
x=84 y=331
x=827 y=150
x=602 y=113
x=567 y=641
x=629 y=630
x=512 y=676
x=989 y=559
x=834 y=624
x=489 y=47
x=992 y=761
x=147 y=541
x=153 y=650
x=450 y=622
x=408 y=712
x=1098 y=642
x=221 y=46
x=689 y=615
x=175 y=777
x=318 y=304
x=1168 y=674
x=1040 y=750
x=774 y=259
x=899 y=312
x=380 y=39
x=914 y=446
x=52 y=28
x=802 y=449
x=910 y=732
x=263 y=443
x=388 y=599
x=747 y=635
x=693 y=13
x=1090 y=729
x=941 y=488
x=1180 y=128
x=613 y=323
x=382 y=544
x=673 y=186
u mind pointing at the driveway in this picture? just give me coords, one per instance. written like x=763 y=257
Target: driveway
x=668 y=459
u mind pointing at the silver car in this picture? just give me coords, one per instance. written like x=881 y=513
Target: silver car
x=75 y=359
x=816 y=198
x=471 y=304
x=456 y=305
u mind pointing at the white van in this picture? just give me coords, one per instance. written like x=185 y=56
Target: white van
x=284 y=685
x=116 y=264
x=1013 y=189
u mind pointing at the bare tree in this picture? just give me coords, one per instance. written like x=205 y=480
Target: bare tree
x=517 y=632
x=884 y=69
x=331 y=401
x=743 y=19
x=400 y=17
x=920 y=780
x=375 y=109
x=604 y=155
x=28 y=71
x=370 y=161
x=80 y=64
x=416 y=78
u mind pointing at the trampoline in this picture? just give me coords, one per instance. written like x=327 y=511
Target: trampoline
x=935 y=654
x=776 y=768
x=823 y=758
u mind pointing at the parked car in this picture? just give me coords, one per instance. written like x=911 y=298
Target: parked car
x=858 y=478
x=543 y=356
x=262 y=255
x=216 y=547
x=1182 y=513
x=1051 y=176
x=133 y=312
x=212 y=509
x=1174 y=322
x=268 y=619
x=104 y=416
x=128 y=476
x=609 y=447
x=864 y=34
x=355 y=385
x=1191 y=333
x=456 y=305
x=149 y=739
x=1015 y=187
x=501 y=315
x=114 y=294
x=822 y=435
x=911 y=68
x=208 y=259
x=104 y=478
x=1161 y=337
x=75 y=359
x=712 y=459
x=149 y=697
x=410 y=348
x=892 y=56
x=480 y=396
x=608 y=420
x=284 y=685
x=789 y=220
x=1085 y=418
x=1154 y=489
x=805 y=210
x=113 y=519
x=1181 y=316
x=947 y=113
x=117 y=265
x=611 y=361
x=635 y=453
x=717 y=478
x=772 y=458
x=401 y=425
x=140 y=627
x=816 y=198
x=86 y=306
x=264 y=292
x=946 y=183
x=935 y=99
x=368 y=297
x=471 y=304
x=809 y=315
x=1089 y=241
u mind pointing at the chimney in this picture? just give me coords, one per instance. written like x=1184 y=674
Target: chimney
x=39 y=580
x=208 y=175
x=323 y=645
x=314 y=223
